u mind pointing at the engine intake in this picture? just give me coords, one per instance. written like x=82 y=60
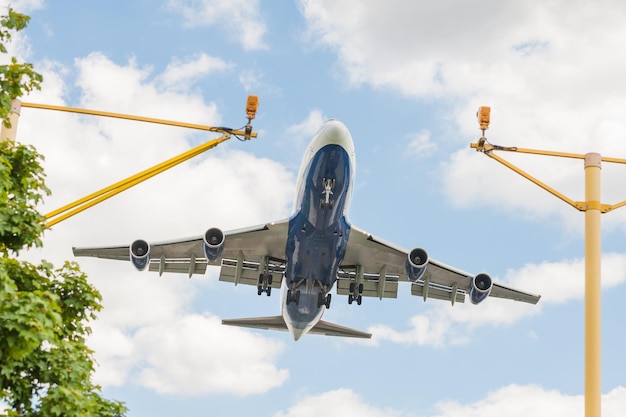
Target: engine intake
x=480 y=289
x=140 y=254
x=213 y=244
x=416 y=263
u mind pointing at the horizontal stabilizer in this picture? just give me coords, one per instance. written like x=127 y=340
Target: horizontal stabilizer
x=278 y=323
x=332 y=329
x=266 y=323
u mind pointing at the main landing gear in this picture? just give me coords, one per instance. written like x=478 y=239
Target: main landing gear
x=323 y=300
x=264 y=284
x=355 y=293
x=293 y=296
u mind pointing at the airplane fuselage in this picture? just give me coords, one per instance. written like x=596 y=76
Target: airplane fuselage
x=318 y=229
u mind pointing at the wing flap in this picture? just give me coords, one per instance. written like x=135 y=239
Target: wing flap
x=371 y=288
x=417 y=289
x=243 y=271
x=181 y=266
x=246 y=276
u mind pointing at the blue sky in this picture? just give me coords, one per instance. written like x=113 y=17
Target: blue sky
x=406 y=78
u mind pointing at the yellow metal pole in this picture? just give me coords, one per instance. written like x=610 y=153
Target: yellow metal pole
x=138 y=118
x=134 y=118
x=593 y=209
x=535 y=181
x=84 y=203
x=593 y=383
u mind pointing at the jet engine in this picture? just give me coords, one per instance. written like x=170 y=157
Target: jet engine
x=140 y=254
x=416 y=263
x=480 y=289
x=213 y=244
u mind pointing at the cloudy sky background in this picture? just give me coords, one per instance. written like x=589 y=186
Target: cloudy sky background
x=406 y=78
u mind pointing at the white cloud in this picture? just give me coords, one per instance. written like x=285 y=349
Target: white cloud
x=242 y=19
x=512 y=400
x=552 y=83
x=186 y=354
x=556 y=282
x=251 y=80
x=421 y=144
x=128 y=88
x=208 y=357
x=22 y=6
x=181 y=73
x=341 y=402
x=522 y=400
x=308 y=127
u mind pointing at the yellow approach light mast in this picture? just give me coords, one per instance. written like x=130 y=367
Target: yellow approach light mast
x=90 y=200
x=593 y=209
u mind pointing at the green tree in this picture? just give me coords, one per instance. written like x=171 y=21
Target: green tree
x=16 y=79
x=45 y=365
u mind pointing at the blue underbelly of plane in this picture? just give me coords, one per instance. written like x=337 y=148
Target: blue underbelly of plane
x=318 y=237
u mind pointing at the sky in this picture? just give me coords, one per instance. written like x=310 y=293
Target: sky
x=407 y=79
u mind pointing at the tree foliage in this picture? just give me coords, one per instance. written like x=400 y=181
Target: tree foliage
x=16 y=79
x=45 y=365
x=22 y=187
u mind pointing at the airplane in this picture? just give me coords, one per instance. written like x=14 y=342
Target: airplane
x=313 y=251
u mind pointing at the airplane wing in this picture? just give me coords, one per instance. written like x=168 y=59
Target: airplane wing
x=380 y=265
x=369 y=260
x=246 y=251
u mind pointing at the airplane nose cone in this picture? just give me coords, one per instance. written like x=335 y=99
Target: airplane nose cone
x=336 y=133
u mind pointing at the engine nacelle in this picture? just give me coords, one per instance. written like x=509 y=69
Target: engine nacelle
x=140 y=254
x=416 y=263
x=213 y=244
x=480 y=289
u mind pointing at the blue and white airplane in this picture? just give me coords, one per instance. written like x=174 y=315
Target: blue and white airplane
x=313 y=251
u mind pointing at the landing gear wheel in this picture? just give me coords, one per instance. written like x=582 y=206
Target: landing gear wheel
x=264 y=284
x=361 y=288
x=352 y=287
x=293 y=297
x=323 y=301
x=350 y=298
x=358 y=300
x=320 y=300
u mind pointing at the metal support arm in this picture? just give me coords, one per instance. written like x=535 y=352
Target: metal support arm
x=86 y=202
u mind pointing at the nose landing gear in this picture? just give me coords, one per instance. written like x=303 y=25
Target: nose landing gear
x=328 y=184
